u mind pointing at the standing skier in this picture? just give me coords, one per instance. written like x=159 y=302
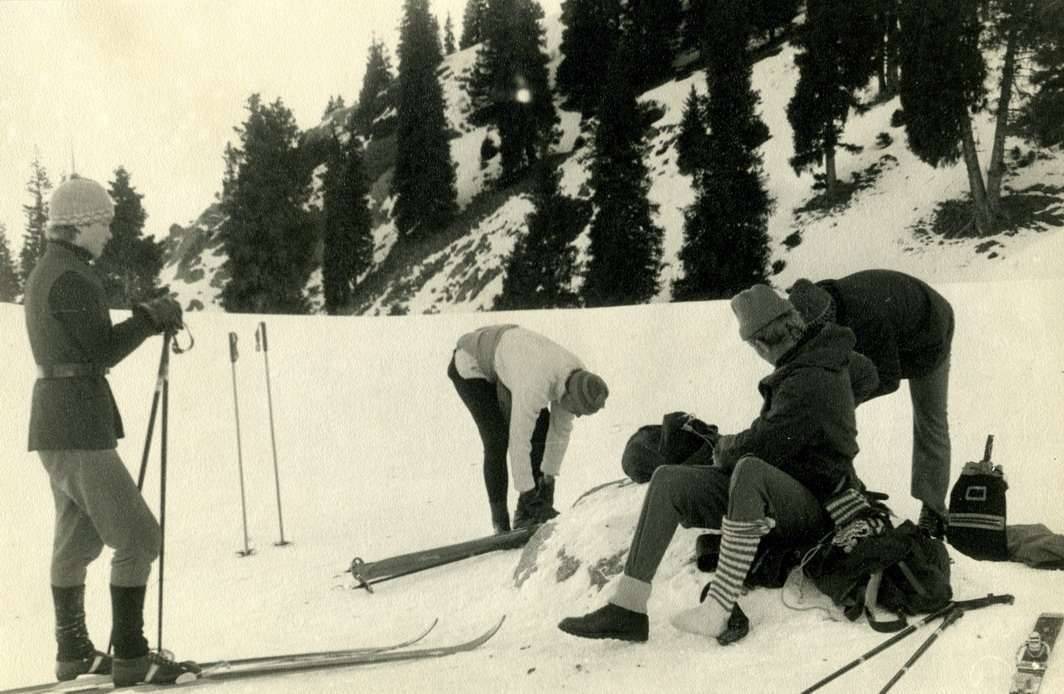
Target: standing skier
x=906 y=328
x=74 y=427
x=790 y=474
x=523 y=391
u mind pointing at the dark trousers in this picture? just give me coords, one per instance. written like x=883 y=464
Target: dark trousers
x=489 y=403
x=701 y=496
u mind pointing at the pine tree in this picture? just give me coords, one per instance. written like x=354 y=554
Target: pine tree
x=836 y=58
x=372 y=99
x=886 y=18
x=653 y=30
x=942 y=75
x=473 y=23
x=335 y=103
x=267 y=235
x=449 y=45
x=694 y=31
x=771 y=16
x=725 y=247
x=10 y=287
x=692 y=143
x=539 y=272
x=33 y=240
x=1042 y=116
x=626 y=246
x=591 y=35
x=130 y=263
x=347 y=243
x=424 y=177
x=510 y=85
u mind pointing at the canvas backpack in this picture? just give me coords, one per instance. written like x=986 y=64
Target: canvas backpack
x=977 y=510
x=913 y=570
x=680 y=439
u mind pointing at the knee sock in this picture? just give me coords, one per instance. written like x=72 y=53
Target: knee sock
x=71 y=634
x=127 y=621
x=738 y=545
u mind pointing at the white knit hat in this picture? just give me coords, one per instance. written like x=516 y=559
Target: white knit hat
x=80 y=201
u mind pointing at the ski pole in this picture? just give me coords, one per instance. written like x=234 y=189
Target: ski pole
x=260 y=334
x=951 y=617
x=973 y=604
x=164 y=362
x=233 y=356
x=164 y=376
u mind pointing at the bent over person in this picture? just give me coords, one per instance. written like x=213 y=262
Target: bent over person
x=780 y=476
x=906 y=328
x=74 y=427
x=523 y=391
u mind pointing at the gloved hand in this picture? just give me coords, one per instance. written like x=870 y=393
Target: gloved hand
x=164 y=313
x=532 y=509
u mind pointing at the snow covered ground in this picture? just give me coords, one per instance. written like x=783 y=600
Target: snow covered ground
x=378 y=457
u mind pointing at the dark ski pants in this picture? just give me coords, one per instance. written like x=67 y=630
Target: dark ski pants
x=700 y=497
x=489 y=403
x=931 y=443
x=97 y=503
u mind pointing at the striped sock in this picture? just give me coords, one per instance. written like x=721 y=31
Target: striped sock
x=738 y=545
x=844 y=506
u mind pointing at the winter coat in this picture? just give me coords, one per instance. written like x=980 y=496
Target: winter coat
x=533 y=370
x=807 y=426
x=68 y=323
x=903 y=325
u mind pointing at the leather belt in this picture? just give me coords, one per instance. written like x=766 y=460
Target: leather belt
x=82 y=370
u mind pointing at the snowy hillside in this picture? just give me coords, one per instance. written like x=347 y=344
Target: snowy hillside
x=377 y=457
x=884 y=224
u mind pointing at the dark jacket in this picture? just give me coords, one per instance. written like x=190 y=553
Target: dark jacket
x=903 y=325
x=807 y=426
x=68 y=323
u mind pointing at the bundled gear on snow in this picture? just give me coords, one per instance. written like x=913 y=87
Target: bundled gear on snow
x=867 y=563
x=680 y=439
x=977 y=509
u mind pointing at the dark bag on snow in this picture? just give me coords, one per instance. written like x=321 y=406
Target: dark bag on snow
x=977 y=510
x=915 y=572
x=771 y=566
x=680 y=439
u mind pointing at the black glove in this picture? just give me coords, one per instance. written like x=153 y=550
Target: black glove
x=532 y=509
x=164 y=314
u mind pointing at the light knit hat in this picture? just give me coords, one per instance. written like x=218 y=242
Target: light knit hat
x=587 y=391
x=756 y=307
x=80 y=201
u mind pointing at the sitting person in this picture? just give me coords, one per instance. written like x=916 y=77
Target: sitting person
x=778 y=476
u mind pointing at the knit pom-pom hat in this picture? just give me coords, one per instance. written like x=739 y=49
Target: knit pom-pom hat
x=587 y=391
x=79 y=202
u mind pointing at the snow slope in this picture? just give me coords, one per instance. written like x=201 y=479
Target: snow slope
x=875 y=229
x=378 y=457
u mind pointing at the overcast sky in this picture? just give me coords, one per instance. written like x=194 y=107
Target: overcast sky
x=157 y=87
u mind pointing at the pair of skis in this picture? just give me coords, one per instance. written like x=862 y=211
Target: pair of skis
x=265 y=666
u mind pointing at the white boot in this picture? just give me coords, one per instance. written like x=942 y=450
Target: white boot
x=707 y=619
